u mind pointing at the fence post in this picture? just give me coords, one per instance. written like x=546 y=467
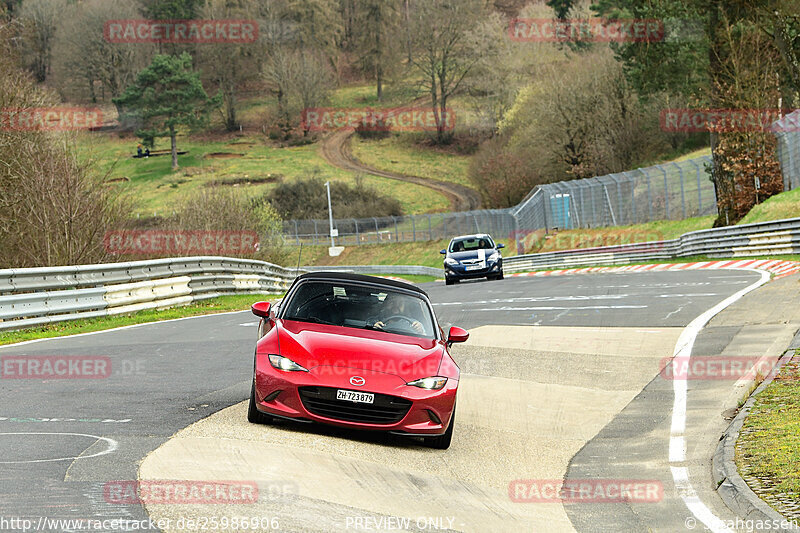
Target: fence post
x=377 y=231
x=649 y=197
x=666 y=191
x=414 y=227
x=396 y=233
x=699 y=191
x=683 y=195
x=315 y=232
x=430 y=228
x=358 y=237
x=296 y=233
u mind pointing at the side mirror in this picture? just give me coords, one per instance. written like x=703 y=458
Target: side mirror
x=500 y=245
x=443 y=252
x=261 y=309
x=457 y=334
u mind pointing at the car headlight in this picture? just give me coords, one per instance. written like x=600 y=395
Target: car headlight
x=450 y=261
x=434 y=383
x=494 y=257
x=284 y=363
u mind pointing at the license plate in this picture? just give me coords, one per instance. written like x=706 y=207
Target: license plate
x=475 y=267
x=352 y=396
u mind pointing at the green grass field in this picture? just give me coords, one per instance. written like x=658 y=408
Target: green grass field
x=401 y=153
x=157 y=189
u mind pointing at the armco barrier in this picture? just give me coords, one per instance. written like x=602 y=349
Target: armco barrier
x=37 y=296
x=777 y=237
x=381 y=269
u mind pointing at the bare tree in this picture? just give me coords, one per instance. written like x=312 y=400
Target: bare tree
x=229 y=66
x=40 y=18
x=442 y=56
x=379 y=25
x=313 y=80
x=53 y=208
x=85 y=63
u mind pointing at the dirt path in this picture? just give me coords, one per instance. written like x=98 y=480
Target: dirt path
x=336 y=151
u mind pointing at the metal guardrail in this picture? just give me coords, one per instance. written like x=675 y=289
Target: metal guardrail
x=38 y=296
x=381 y=269
x=777 y=237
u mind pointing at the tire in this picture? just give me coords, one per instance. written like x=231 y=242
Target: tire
x=448 y=281
x=254 y=416
x=442 y=442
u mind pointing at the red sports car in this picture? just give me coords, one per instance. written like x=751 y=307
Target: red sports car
x=359 y=352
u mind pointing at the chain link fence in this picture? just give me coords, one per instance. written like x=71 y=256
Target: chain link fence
x=789 y=149
x=676 y=191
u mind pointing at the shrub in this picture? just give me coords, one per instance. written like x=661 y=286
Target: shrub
x=307 y=199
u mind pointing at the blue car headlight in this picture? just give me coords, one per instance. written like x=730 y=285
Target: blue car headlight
x=495 y=257
x=450 y=261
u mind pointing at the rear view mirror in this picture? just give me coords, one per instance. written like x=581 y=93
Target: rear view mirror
x=457 y=334
x=261 y=309
x=443 y=252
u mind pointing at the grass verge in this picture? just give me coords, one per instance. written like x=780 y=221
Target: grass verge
x=768 y=448
x=221 y=304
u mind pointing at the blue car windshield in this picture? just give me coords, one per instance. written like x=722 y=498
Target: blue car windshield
x=471 y=243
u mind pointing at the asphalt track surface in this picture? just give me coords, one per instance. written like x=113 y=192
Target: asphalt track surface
x=62 y=440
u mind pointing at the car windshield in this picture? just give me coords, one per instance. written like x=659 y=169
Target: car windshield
x=360 y=306
x=467 y=244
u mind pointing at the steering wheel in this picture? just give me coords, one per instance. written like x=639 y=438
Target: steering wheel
x=399 y=317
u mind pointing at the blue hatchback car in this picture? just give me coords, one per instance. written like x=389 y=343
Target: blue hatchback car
x=472 y=256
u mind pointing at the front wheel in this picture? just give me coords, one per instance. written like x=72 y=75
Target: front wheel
x=442 y=442
x=255 y=416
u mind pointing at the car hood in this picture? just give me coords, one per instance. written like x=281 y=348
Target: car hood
x=472 y=254
x=318 y=345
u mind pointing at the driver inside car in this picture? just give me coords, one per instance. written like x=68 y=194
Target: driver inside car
x=396 y=306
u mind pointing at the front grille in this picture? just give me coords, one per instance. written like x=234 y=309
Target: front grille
x=322 y=401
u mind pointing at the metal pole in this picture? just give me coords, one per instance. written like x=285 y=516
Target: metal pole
x=699 y=188
x=330 y=210
x=683 y=194
x=666 y=192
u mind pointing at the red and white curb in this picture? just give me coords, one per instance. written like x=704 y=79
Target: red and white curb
x=776 y=267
